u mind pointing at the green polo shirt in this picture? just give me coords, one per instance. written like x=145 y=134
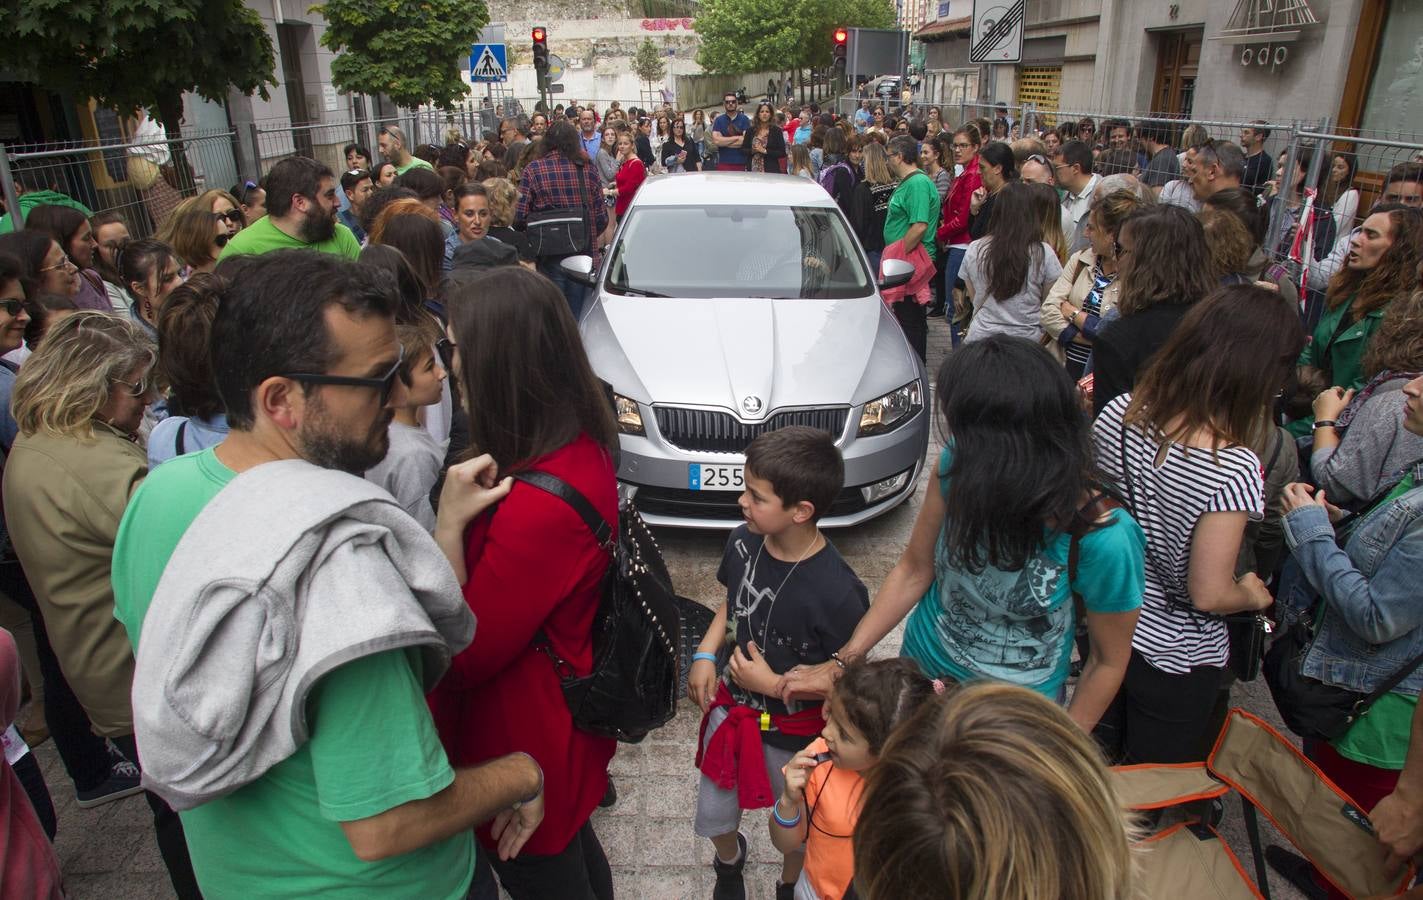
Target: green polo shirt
x=262 y=236
x=915 y=200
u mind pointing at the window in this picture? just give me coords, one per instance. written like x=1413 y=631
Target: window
x=737 y=251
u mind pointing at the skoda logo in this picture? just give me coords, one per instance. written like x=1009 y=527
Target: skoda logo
x=752 y=405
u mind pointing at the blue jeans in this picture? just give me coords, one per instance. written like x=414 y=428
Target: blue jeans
x=573 y=291
x=951 y=274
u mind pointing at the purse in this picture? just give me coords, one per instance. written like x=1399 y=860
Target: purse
x=562 y=231
x=1311 y=708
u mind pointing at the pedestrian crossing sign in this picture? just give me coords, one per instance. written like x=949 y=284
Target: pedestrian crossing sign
x=488 y=63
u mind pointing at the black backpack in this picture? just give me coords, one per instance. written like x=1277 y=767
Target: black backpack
x=637 y=632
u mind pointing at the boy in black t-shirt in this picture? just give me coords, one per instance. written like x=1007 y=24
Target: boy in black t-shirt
x=790 y=600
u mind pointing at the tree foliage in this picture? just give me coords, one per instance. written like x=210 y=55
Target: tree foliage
x=128 y=54
x=648 y=63
x=774 y=35
x=409 y=51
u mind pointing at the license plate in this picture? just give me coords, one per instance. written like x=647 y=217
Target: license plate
x=707 y=477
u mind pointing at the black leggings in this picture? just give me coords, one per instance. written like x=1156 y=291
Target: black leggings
x=84 y=754
x=168 y=829
x=1158 y=717
x=914 y=319
x=580 y=872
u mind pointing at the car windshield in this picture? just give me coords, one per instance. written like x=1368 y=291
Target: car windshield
x=780 y=252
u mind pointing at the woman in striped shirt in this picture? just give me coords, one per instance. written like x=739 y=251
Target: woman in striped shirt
x=1178 y=446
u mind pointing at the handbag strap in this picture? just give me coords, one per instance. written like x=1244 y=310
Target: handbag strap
x=602 y=531
x=1387 y=685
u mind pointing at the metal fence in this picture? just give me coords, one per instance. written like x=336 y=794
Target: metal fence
x=142 y=180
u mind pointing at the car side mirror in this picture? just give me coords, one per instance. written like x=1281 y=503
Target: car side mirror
x=579 y=268
x=895 y=272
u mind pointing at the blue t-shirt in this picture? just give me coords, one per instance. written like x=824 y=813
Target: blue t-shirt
x=1018 y=626
x=728 y=127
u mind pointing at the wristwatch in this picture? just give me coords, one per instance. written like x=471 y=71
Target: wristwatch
x=1323 y=423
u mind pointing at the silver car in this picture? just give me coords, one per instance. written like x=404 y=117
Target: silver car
x=729 y=305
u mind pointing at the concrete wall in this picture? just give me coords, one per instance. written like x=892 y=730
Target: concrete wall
x=1308 y=85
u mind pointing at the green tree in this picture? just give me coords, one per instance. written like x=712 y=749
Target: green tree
x=128 y=54
x=648 y=62
x=747 y=35
x=411 y=52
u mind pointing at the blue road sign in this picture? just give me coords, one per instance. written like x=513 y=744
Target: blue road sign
x=488 y=62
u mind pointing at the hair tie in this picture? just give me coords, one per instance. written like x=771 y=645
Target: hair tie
x=938 y=685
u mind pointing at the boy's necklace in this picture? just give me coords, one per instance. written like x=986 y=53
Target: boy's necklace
x=766 y=626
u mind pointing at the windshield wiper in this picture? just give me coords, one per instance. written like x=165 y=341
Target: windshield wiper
x=636 y=292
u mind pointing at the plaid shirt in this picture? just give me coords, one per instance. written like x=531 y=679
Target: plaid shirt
x=552 y=182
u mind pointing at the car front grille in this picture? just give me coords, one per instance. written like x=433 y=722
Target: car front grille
x=720 y=432
x=721 y=505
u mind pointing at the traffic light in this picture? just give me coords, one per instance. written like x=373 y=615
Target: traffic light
x=842 y=40
x=541 y=55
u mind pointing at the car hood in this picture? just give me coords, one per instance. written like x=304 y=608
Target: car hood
x=718 y=352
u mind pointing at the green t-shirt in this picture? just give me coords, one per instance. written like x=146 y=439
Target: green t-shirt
x=415 y=163
x=372 y=745
x=1380 y=737
x=262 y=236
x=915 y=200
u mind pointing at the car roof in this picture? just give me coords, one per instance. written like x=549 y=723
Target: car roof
x=730 y=189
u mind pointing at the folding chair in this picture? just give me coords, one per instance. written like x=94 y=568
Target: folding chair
x=1191 y=860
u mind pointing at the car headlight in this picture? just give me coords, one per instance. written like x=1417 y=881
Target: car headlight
x=628 y=416
x=892 y=410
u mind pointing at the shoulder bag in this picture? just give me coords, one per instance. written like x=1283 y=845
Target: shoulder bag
x=637 y=631
x=565 y=230
x=1245 y=631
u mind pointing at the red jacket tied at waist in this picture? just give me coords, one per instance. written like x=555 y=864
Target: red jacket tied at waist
x=919 y=288
x=734 y=758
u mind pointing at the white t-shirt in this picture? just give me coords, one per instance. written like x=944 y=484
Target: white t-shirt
x=409 y=471
x=1019 y=314
x=1167 y=501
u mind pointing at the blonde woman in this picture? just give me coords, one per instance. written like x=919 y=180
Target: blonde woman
x=79 y=403
x=503 y=199
x=992 y=791
x=869 y=202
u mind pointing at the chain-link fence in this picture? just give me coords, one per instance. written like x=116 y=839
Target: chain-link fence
x=143 y=180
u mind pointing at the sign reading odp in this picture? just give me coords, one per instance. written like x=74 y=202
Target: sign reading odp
x=997 y=31
x=488 y=63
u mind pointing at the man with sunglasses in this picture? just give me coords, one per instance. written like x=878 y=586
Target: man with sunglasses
x=728 y=130
x=295 y=610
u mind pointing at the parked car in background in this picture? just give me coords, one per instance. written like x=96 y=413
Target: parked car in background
x=731 y=304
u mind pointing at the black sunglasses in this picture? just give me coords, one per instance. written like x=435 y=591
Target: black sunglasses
x=12 y=307
x=385 y=383
x=232 y=215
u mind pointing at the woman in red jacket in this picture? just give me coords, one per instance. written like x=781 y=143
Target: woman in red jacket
x=531 y=569
x=630 y=176
x=955 y=215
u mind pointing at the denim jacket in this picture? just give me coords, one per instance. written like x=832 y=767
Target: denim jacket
x=1372 y=615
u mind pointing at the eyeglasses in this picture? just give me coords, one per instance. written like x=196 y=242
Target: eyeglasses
x=135 y=389
x=12 y=307
x=1119 y=250
x=446 y=349
x=385 y=383
x=961 y=146
x=62 y=264
x=232 y=215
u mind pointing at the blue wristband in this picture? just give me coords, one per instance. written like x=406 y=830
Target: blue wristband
x=709 y=657
x=784 y=823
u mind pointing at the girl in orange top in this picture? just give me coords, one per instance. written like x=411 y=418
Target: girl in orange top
x=824 y=782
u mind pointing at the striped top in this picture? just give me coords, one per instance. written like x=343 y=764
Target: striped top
x=1169 y=499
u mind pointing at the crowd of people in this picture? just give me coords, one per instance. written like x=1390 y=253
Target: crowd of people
x=277 y=571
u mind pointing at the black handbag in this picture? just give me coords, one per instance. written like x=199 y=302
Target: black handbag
x=563 y=231
x=1311 y=708
x=637 y=632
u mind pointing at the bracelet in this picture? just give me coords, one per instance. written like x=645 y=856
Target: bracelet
x=784 y=823
x=835 y=658
x=1324 y=423
x=538 y=790
x=709 y=657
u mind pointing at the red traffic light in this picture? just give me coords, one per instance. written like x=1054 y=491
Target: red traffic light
x=841 y=35
x=540 y=35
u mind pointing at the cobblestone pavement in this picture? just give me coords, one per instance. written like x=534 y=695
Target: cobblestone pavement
x=109 y=851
